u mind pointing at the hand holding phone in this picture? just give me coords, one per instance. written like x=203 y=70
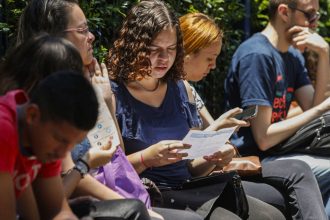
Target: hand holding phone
x=247 y=113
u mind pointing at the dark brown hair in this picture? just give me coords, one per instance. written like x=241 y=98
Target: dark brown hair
x=273 y=5
x=129 y=59
x=49 y=16
x=35 y=59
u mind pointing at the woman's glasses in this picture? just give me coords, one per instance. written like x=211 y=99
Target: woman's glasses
x=80 y=30
x=311 y=16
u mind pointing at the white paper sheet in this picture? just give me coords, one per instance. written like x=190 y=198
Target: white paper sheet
x=105 y=128
x=205 y=143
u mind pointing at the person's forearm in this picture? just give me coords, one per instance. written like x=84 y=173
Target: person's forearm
x=294 y=111
x=8 y=206
x=214 y=126
x=135 y=160
x=200 y=167
x=27 y=207
x=89 y=186
x=277 y=132
x=70 y=182
x=322 y=77
x=65 y=213
x=206 y=117
x=71 y=177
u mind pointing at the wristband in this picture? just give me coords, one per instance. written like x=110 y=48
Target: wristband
x=63 y=174
x=81 y=167
x=85 y=163
x=142 y=161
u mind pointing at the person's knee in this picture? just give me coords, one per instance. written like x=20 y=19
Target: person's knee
x=302 y=172
x=121 y=208
x=327 y=208
x=135 y=205
x=273 y=214
x=221 y=213
x=319 y=172
x=297 y=170
x=298 y=166
x=261 y=210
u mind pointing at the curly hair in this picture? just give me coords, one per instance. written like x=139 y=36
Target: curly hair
x=128 y=60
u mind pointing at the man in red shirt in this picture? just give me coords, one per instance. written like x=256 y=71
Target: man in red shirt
x=34 y=136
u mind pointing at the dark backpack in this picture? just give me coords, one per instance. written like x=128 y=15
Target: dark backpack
x=313 y=138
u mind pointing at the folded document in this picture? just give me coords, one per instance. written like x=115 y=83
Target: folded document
x=206 y=143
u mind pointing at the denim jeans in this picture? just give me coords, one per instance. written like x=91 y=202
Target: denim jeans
x=80 y=149
x=321 y=169
x=298 y=185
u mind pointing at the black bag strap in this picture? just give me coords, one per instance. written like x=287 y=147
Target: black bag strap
x=232 y=198
x=208 y=180
x=306 y=138
x=230 y=195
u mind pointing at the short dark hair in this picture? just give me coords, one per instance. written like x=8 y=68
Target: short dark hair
x=66 y=96
x=49 y=16
x=128 y=60
x=273 y=5
x=35 y=59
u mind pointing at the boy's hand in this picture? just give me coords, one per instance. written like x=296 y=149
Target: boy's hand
x=97 y=157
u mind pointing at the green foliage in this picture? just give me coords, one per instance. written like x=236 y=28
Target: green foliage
x=105 y=18
x=11 y=10
x=324 y=24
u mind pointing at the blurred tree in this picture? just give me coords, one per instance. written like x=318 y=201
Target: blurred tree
x=105 y=18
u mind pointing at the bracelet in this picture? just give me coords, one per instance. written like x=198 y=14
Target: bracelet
x=81 y=172
x=142 y=161
x=85 y=163
x=63 y=174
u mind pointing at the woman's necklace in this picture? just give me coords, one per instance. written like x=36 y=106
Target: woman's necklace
x=146 y=89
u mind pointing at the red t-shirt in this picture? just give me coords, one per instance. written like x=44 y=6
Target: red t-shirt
x=23 y=169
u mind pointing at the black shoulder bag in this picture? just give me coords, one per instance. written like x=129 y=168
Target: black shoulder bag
x=312 y=138
x=198 y=194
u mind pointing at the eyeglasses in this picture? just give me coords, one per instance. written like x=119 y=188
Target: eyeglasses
x=80 y=30
x=311 y=17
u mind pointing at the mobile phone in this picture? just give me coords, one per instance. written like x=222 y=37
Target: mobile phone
x=247 y=113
